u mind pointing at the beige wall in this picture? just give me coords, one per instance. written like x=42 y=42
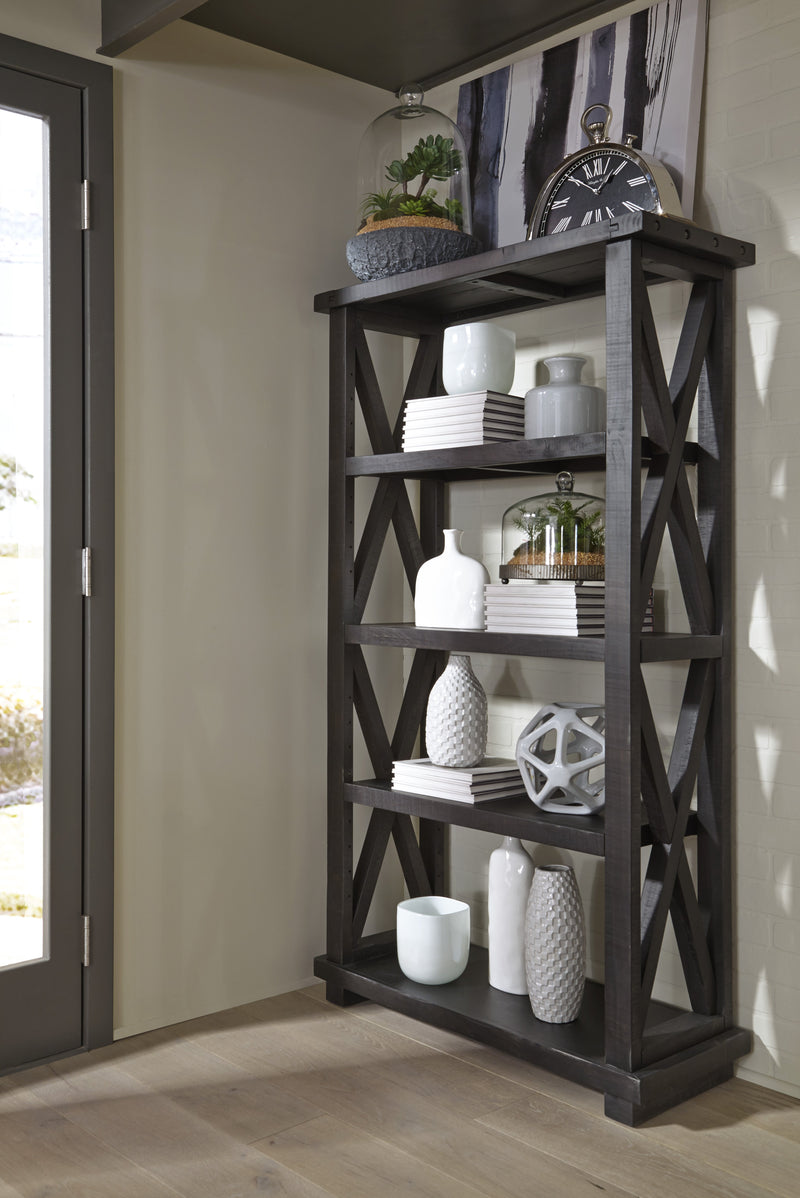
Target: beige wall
x=233 y=169
x=233 y=209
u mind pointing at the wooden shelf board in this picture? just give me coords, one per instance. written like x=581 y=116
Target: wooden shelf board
x=543 y=456
x=566 y=266
x=471 y=1007
x=658 y=646
x=507 y=817
x=504 y=817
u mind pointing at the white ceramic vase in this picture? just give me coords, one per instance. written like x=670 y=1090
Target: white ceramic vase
x=433 y=939
x=457 y=717
x=478 y=357
x=510 y=877
x=565 y=405
x=449 y=588
x=555 y=944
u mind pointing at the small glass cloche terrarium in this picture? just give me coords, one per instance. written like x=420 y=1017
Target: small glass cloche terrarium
x=414 y=195
x=558 y=535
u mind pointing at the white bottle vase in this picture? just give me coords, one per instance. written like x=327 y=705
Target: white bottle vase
x=449 y=588
x=478 y=357
x=457 y=717
x=565 y=405
x=555 y=944
x=510 y=877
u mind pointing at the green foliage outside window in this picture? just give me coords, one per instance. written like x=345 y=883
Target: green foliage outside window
x=11 y=474
x=21 y=753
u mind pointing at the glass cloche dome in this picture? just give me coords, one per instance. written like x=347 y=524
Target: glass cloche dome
x=412 y=175
x=560 y=534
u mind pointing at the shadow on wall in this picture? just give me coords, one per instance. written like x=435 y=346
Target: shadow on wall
x=767 y=578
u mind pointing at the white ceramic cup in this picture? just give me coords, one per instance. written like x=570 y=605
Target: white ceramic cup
x=432 y=939
x=478 y=357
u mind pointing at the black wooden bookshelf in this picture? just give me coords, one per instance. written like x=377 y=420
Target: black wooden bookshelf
x=645 y=1056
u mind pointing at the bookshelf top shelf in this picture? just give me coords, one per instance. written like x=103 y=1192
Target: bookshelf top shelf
x=530 y=274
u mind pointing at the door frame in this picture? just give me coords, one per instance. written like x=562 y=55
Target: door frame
x=95 y=82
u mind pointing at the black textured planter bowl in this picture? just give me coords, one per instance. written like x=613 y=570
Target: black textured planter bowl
x=383 y=252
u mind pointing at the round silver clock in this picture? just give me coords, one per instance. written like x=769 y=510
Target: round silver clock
x=603 y=181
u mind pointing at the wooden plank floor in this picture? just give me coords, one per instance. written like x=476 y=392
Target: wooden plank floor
x=292 y=1096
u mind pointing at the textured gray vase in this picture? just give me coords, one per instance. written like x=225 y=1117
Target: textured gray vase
x=383 y=252
x=555 y=944
x=457 y=716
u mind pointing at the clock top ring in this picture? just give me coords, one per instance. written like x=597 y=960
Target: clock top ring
x=602 y=181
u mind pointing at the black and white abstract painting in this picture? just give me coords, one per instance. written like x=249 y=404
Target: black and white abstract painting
x=521 y=121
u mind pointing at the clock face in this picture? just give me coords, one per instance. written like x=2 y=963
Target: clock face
x=604 y=184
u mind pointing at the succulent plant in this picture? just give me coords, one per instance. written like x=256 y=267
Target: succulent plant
x=432 y=158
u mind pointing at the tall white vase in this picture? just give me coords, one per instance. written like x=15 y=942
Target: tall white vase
x=449 y=588
x=510 y=877
x=457 y=717
x=555 y=944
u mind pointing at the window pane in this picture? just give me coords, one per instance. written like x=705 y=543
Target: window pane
x=23 y=804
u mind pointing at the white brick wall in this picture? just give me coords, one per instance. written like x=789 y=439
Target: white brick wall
x=748 y=186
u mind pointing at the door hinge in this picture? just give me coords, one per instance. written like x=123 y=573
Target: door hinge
x=87 y=939
x=86 y=572
x=86 y=205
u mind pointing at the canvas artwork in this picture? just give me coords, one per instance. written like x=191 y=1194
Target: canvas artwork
x=520 y=122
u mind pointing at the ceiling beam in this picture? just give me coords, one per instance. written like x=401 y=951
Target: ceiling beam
x=427 y=41
x=125 y=23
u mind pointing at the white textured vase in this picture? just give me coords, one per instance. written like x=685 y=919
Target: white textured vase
x=457 y=716
x=449 y=588
x=510 y=877
x=555 y=944
x=565 y=405
x=478 y=357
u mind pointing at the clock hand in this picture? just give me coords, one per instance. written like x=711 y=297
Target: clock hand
x=609 y=174
x=580 y=183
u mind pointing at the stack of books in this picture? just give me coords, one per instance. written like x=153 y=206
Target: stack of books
x=478 y=418
x=494 y=778
x=555 y=608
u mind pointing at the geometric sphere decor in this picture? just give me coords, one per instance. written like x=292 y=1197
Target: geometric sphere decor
x=555 y=944
x=556 y=752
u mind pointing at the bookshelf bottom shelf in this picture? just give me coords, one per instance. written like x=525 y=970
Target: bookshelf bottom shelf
x=687 y=1053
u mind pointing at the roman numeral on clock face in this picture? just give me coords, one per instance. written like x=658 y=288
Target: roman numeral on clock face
x=560 y=203
x=637 y=182
x=594 y=168
x=631 y=206
x=563 y=224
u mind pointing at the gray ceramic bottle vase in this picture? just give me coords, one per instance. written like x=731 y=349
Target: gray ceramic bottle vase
x=555 y=944
x=565 y=405
x=457 y=717
x=510 y=877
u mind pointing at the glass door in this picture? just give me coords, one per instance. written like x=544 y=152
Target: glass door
x=41 y=522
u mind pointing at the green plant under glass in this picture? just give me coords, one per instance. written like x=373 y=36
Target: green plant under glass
x=433 y=158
